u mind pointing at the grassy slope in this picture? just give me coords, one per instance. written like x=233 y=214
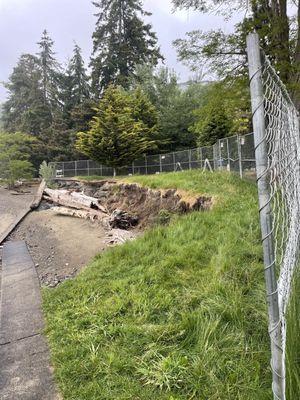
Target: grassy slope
x=178 y=314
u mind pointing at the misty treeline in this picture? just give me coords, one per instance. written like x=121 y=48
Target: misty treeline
x=124 y=103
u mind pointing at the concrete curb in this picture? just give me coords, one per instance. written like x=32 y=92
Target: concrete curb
x=25 y=371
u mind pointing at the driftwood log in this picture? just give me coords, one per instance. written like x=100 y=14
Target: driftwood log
x=39 y=195
x=79 y=205
x=73 y=200
x=92 y=215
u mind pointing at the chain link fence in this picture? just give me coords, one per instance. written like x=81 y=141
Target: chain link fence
x=277 y=151
x=234 y=153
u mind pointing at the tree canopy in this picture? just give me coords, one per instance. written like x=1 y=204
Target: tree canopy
x=122 y=39
x=123 y=128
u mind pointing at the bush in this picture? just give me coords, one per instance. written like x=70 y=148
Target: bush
x=14 y=157
x=47 y=172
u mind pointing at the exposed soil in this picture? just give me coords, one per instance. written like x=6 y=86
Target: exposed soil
x=141 y=202
x=61 y=246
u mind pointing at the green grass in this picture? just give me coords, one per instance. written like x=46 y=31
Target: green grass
x=178 y=314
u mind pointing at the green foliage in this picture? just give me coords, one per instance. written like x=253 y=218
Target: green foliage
x=293 y=346
x=123 y=129
x=49 y=70
x=224 y=112
x=179 y=313
x=164 y=217
x=14 y=157
x=175 y=106
x=277 y=24
x=48 y=103
x=121 y=41
x=47 y=172
x=216 y=125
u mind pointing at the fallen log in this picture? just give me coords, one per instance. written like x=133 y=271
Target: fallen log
x=90 y=202
x=39 y=195
x=73 y=200
x=91 y=215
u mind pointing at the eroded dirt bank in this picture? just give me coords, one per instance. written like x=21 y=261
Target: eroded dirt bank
x=62 y=245
x=142 y=202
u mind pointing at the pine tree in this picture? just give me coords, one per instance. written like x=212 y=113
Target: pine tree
x=24 y=110
x=121 y=41
x=79 y=78
x=117 y=135
x=50 y=70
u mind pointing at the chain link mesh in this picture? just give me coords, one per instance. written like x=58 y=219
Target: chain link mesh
x=283 y=152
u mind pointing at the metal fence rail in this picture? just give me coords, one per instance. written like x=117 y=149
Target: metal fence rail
x=234 y=153
x=277 y=150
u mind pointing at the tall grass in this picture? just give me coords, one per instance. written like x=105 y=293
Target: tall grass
x=178 y=314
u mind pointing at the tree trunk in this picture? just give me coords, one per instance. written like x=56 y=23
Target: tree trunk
x=73 y=200
x=84 y=214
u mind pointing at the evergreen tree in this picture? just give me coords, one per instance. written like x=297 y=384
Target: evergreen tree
x=79 y=78
x=50 y=70
x=174 y=106
x=24 y=110
x=121 y=41
x=118 y=135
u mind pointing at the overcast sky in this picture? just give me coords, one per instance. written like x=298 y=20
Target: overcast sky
x=22 y=23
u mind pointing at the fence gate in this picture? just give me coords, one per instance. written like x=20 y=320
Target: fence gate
x=277 y=152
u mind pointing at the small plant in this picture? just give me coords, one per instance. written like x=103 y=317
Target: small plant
x=164 y=217
x=47 y=172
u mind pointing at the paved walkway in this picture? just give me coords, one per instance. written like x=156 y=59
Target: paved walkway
x=13 y=208
x=24 y=367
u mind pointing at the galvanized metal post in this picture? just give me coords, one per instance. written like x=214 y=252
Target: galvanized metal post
x=160 y=163
x=257 y=101
x=133 y=168
x=88 y=167
x=75 y=168
x=201 y=157
x=174 y=160
x=146 y=165
x=228 y=156
x=190 y=159
x=238 y=138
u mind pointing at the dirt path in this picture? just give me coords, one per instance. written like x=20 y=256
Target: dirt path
x=60 y=246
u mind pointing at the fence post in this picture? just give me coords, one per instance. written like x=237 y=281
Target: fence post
x=88 y=167
x=174 y=162
x=190 y=159
x=160 y=164
x=133 y=168
x=146 y=165
x=261 y=155
x=228 y=156
x=75 y=168
x=201 y=157
x=238 y=138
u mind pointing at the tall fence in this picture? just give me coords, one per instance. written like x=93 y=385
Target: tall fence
x=234 y=153
x=277 y=151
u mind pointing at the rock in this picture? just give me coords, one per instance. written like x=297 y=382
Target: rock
x=122 y=220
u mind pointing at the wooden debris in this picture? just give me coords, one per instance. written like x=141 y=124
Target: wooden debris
x=73 y=200
x=39 y=195
x=92 y=215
